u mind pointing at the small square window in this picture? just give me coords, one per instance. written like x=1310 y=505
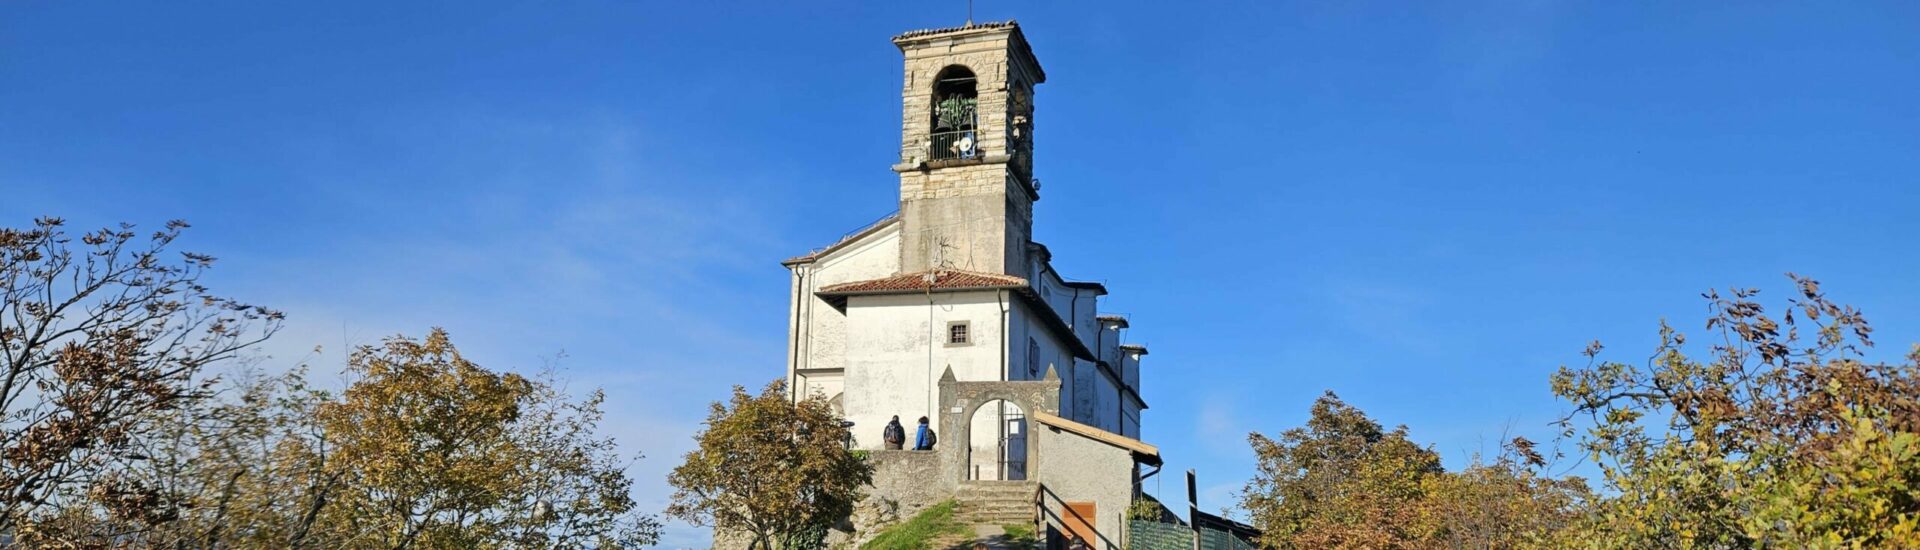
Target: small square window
x=957 y=333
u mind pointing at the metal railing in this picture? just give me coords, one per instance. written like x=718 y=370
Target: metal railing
x=959 y=144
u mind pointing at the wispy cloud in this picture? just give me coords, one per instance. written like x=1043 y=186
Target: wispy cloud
x=576 y=245
x=1219 y=425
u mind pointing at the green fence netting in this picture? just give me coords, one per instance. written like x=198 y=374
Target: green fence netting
x=1153 y=535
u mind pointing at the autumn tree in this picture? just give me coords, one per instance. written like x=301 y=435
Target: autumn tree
x=1779 y=433
x=425 y=449
x=439 y=452
x=1508 y=502
x=98 y=338
x=1341 y=481
x=772 y=468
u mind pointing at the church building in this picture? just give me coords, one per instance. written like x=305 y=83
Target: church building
x=950 y=310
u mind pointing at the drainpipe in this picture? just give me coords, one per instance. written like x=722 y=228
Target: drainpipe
x=1006 y=340
x=933 y=379
x=793 y=353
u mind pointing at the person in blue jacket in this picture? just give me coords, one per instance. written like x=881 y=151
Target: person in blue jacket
x=925 y=439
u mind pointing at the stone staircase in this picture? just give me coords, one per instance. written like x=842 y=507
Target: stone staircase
x=995 y=502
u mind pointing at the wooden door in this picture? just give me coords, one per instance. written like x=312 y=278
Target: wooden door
x=1080 y=521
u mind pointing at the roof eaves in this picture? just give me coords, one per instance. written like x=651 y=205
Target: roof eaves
x=845 y=240
x=1059 y=326
x=1086 y=285
x=1138 y=447
x=935 y=289
x=988 y=25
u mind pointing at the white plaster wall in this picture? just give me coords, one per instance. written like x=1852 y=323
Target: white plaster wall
x=1055 y=294
x=1077 y=469
x=1086 y=398
x=1106 y=404
x=872 y=257
x=824 y=385
x=1107 y=344
x=1052 y=351
x=1083 y=321
x=819 y=336
x=1129 y=408
x=1077 y=307
x=890 y=366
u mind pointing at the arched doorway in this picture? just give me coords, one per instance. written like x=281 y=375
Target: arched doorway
x=997 y=446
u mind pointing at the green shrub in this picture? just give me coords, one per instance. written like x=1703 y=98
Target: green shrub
x=1019 y=533
x=1144 y=509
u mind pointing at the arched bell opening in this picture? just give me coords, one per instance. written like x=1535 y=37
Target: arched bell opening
x=956 y=115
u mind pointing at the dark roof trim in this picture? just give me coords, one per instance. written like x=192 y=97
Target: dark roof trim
x=1086 y=285
x=1124 y=388
x=1059 y=326
x=1243 y=531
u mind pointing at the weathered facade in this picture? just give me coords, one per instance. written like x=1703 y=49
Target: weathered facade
x=949 y=310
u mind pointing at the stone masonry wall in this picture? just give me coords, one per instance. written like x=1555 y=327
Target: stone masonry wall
x=904 y=483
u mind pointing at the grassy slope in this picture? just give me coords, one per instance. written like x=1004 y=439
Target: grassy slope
x=916 y=533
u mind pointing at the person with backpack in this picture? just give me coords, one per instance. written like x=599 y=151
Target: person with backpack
x=894 y=435
x=926 y=439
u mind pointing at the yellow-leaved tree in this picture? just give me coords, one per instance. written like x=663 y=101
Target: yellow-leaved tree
x=424 y=449
x=1342 y=481
x=771 y=468
x=1780 y=435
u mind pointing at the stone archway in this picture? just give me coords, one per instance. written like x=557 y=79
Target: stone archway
x=961 y=402
x=997 y=444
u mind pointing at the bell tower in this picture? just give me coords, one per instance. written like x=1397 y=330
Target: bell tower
x=966 y=149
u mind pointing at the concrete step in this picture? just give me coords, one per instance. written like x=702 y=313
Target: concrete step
x=1020 y=504
x=998 y=509
x=996 y=502
x=998 y=519
x=995 y=512
x=1007 y=495
x=1001 y=520
x=995 y=489
x=1024 y=499
x=1022 y=491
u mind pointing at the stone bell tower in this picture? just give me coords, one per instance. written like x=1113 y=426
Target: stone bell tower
x=966 y=149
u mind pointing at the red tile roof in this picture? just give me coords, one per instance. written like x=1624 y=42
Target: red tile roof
x=927 y=280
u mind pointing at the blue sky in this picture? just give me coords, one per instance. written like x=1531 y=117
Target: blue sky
x=1425 y=207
